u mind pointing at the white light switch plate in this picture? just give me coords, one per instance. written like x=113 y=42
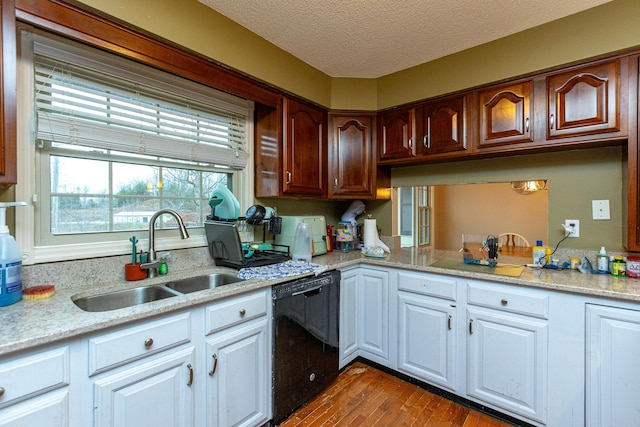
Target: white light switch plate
x=600 y=209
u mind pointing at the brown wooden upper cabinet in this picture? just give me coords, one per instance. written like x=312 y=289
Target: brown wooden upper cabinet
x=352 y=168
x=584 y=101
x=304 y=149
x=8 y=146
x=442 y=125
x=396 y=134
x=505 y=115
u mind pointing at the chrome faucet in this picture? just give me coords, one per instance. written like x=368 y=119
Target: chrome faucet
x=152 y=263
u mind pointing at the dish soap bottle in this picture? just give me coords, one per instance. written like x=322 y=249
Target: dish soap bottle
x=10 y=261
x=602 y=263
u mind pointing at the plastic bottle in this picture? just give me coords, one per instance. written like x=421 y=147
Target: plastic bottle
x=539 y=253
x=10 y=261
x=602 y=261
x=302 y=248
x=618 y=266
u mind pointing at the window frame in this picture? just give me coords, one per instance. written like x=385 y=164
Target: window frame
x=26 y=189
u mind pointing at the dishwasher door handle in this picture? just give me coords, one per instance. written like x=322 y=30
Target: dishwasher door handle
x=309 y=292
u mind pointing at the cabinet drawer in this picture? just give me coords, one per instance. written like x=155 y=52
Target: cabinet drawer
x=427 y=284
x=508 y=299
x=235 y=310
x=33 y=374
x=124 y=345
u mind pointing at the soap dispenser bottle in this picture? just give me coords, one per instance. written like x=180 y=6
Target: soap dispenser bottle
x=602 y=262
x=10 y=261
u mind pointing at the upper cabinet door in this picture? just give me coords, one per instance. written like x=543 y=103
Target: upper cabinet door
x=8 y=146
x=396 y=134
x=305 y=150
x=584 y=101
x=506 y=115
x=443 y=124
x=352 y=165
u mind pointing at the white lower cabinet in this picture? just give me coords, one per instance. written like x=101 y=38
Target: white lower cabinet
x=613 y=377
x=507 y=348
x=35 y=389
x=143 y=374
x=427 y=328
x=238 y=358
x=366 y=316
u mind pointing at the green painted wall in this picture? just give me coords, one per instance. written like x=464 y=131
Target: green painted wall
x=576 y=177
x=608 y=28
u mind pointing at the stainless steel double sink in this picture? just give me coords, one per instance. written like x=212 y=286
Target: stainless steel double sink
x=144 y=294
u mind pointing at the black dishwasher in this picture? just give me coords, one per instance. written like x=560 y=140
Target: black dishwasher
x=305 y=350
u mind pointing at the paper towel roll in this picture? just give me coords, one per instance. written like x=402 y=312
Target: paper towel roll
x=370 y=234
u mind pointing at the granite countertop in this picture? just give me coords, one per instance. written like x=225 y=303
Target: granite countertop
x=37 y=322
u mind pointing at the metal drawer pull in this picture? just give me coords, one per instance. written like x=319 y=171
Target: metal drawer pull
x=552 y=122
x=242 y=312
x=504 y=301
x=288 y=177
x=215 y=365
x=335 y=182
x=190 y=374
x=449 y=322
x=526 y=125
x=470 y=326
x=148 y=342
x=1 y=391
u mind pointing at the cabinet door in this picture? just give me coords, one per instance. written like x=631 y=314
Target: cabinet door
x=584 y=101
x=613 y=378
x=396 y=134
x=8 y=103
x=507 y=365
x=443 y=126
x=155 y=393
x=373 y=315
x=305 y=150
x=351 y=167
x=506 y=115
x=348 y=342
x=426 y=339
x=238 y=388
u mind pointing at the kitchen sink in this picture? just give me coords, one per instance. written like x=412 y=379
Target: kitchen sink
x=122 y=299
x=199 y=283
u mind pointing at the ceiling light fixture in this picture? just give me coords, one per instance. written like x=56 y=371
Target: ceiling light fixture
x=528 y=187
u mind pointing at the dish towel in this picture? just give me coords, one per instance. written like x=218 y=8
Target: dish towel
x=284 y=269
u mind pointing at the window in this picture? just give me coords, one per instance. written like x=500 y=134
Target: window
x=113 y=142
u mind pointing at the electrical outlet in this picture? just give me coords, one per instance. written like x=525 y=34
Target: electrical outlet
x=573 y=227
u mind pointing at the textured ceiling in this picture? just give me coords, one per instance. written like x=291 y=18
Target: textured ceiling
x=373 y=38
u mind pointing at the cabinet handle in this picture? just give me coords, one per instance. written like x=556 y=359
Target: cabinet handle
x=470 y=326
x=335 y=182
x=288 y=177
x=504 y=301
x=425 y=141
x=410 y=142
x=190 y=368
x=242 y=312
x=1 y=391
x=428 y=132
x=215 y=365
x=148 y=342
x=552 y=122
x=526 y=125
x=449 y=322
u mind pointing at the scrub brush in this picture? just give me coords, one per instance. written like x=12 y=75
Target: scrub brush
x=38 y=292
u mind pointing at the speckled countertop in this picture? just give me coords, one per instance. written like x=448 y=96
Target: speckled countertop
x=28 y=324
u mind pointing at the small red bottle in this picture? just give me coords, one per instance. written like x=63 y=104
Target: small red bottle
x=329 y=238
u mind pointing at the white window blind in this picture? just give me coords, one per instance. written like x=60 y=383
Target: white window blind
x=107 y=105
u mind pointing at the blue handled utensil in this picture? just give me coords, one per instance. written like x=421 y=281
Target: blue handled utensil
x=133 y=241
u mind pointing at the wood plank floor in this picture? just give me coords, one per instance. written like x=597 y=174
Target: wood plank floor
x=365 y=396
